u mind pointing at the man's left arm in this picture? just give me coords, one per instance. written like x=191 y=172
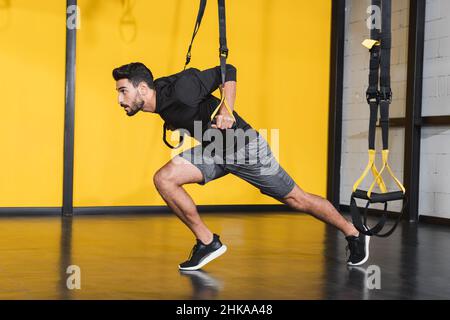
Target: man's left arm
x=210 y=80
x=229 y=90
x=225 y=120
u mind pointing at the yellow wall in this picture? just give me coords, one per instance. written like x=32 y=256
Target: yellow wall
x=32 y=46
x=281 y=50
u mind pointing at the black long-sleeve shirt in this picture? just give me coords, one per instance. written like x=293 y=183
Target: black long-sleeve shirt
x=186 y=97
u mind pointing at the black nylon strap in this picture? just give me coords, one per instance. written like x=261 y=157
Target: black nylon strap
x=381 y=222
x=379 y=75
x=384 y=122
x=373 y=124
x=198 y=22
x=374 y=64
x=397 y=221
x=356 y=216
x=378 y=197
x=363 y=228
x=201 y=11
x=385 y=71
x=386 y=44
x=180 y=143
x=361 y=225
x=372 y=93
x=223 y=49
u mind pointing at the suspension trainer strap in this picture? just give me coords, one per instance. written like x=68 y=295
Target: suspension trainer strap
x=397 y=221
x=223 y=55
x=372 y=96
x=385 y=71
x=374 y=65
x=379 y=96
x=223 y=49
x=201 y=11
x=198 y=22
x=375 y=231
x=360 y=225
x=385 y=94
x=180 y=143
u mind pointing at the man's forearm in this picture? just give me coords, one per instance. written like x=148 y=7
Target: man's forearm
x=229 y=90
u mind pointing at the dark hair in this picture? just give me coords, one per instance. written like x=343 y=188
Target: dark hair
x=136 y=72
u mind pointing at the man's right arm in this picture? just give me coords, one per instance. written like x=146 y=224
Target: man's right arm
x=211 y=79
x=196 y=85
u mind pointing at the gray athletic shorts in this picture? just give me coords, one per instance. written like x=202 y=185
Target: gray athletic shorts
x=254 y=163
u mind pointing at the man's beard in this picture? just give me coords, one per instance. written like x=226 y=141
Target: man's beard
x=137 y=106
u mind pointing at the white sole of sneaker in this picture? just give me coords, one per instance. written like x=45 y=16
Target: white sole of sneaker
x=208 y=259
x=366 y=257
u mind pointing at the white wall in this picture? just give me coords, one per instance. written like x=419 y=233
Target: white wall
x=355 y=107
x=434 y=187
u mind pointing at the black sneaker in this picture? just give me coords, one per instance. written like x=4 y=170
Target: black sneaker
x=359 y=249
x=202 y=254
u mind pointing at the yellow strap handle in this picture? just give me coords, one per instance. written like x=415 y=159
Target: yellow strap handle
x=385 y=157
x=224 y=101
x=371 y=167
x=379 y=180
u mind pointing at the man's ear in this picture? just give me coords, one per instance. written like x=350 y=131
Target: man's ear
x=142 y=88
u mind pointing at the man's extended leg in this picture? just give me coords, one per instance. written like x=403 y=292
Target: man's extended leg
x=264 y=172
x=271 y=179
x=169 y=181
x=320 y=208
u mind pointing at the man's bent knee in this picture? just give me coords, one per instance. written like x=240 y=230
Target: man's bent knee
x=158 y=179
x=177 y=173
x=164 y=177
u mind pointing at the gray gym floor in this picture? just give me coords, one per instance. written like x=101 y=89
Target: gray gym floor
x=270 y=256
